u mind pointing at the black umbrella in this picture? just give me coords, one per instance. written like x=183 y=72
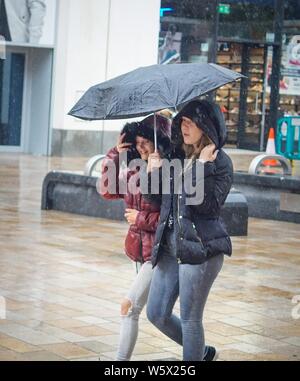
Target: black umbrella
x=150 y=89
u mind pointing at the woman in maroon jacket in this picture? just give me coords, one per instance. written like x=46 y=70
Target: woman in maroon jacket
x=137 y=140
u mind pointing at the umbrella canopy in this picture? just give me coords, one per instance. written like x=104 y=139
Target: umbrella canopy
x=150 y=89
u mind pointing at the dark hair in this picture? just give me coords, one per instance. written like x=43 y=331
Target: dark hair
x=163 y=126
x=145 y=129
x=130 y=135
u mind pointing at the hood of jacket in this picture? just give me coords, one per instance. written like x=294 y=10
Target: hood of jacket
x=207 y=116
x=145 y=129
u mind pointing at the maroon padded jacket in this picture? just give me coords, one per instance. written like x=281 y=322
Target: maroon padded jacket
x=140 y=236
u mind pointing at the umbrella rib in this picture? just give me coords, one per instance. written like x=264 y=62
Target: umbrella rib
x=167 y=84
x=220 y=70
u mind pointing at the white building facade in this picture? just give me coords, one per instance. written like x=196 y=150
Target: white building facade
x=93 y=41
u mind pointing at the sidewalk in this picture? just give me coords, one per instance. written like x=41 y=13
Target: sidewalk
x=63 y=276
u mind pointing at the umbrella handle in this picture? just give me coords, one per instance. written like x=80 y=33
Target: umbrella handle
x=155 y=134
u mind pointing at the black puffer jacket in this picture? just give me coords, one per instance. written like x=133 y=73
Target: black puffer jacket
x=200 y=233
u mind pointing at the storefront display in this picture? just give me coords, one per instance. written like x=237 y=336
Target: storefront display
x=246 y=38
x=229 y=96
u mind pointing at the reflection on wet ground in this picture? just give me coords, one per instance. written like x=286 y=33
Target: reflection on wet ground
x=62 y=277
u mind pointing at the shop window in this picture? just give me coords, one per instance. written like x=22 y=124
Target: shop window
x=246 y=107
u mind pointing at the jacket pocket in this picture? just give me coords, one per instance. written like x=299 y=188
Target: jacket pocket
x=192 y=252
x=132 y=245
x=219 y=246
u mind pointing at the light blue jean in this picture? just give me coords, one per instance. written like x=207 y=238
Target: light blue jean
x=192 y=284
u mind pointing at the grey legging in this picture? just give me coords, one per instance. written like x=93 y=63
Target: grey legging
x=137 y=296
x=192 y=284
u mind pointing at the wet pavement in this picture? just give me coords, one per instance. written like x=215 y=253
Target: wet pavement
x=62 y=277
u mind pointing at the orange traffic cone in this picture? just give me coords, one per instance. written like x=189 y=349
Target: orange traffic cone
x=270 y=150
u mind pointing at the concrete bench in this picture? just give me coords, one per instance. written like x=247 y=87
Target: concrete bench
x=270 y=197
x=73 y=193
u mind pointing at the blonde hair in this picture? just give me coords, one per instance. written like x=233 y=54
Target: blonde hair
x=193 y=153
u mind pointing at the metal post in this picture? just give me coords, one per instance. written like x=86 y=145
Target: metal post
x=241 y=133
x=277 y=51
x=263 y=111
x=213 y=46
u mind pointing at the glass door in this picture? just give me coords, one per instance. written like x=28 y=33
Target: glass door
x=256 y=101
x=245 y=104
x=12 y=71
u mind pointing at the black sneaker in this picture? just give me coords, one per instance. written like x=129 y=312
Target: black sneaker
x=210 y=354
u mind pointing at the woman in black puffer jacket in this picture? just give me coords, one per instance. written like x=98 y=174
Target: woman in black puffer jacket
x=190 y=240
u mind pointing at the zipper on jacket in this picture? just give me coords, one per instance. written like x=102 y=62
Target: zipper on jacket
x=139 y=208
x=178 y=216
x=141 y=248
x=180 y=230
x=197 y=235
x=179 y=225
x=178 y=208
